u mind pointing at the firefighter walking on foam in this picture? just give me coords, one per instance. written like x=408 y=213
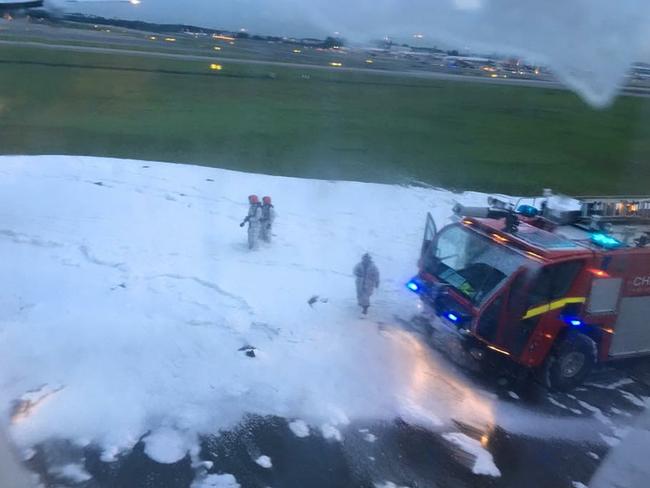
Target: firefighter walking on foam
x=367 y=279
x=268 y=216
x=254 y=221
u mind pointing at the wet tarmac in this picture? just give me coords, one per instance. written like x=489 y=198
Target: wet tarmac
x=572 y=436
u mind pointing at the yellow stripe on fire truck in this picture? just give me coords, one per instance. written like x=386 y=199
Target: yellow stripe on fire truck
x=554 y=305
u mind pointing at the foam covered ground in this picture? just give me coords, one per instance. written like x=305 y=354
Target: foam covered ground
x=128 y=291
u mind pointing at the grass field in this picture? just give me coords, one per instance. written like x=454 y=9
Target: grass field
x=321 y=123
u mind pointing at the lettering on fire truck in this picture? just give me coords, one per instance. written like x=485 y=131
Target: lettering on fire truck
x=639 y=281
x=638 y=286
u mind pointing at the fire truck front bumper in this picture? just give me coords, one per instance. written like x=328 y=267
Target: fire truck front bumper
x=449 y=327
x=438 y=303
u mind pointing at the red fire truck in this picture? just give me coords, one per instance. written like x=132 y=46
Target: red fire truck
x=555 y=287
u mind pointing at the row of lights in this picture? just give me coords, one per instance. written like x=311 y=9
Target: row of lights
x=335 y=64
x=168 y=39
x=173 y=39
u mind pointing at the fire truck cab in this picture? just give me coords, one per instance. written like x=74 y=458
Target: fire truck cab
x=554 y=291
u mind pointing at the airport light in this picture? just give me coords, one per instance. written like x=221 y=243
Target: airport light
x=216 y=67
x=216 y=48
x=369 y=61
x=336 y=64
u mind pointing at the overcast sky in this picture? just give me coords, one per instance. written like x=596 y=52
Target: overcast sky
x=361 y=19
x=279 y=17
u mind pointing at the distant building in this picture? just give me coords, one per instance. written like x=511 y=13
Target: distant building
x=640 y=71
x=309 y=41
x=466 y=61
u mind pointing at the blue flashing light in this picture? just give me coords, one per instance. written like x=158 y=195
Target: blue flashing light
x=452 y=316
x=527 y=210
x=573 y=321
x=603 y=240
x=413 y=286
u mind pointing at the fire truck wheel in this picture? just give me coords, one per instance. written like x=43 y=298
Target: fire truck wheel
x=570 y=363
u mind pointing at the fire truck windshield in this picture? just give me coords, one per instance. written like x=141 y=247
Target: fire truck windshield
x=469 y=262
